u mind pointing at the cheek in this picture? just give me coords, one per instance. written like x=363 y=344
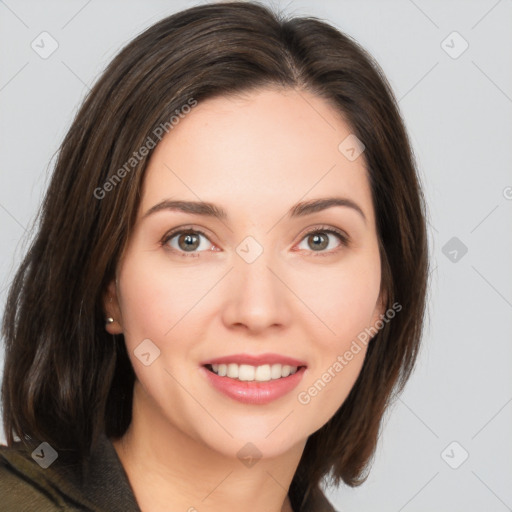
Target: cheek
x=325 y=390
x=340 y=302
x=344 y=301
x=345 y=309
x=155 y=297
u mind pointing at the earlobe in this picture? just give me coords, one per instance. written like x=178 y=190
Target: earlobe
x=112 y=311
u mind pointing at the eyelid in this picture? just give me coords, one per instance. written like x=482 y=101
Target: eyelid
x=343 y=237
x=181 y=230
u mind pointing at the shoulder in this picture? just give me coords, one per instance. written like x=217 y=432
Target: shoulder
x=26 y=486
x=21 y=488
x=318 y=502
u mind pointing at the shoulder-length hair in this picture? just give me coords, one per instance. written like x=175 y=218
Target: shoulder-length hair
x=65 y=379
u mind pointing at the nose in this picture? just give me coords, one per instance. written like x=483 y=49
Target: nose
x=256 y=295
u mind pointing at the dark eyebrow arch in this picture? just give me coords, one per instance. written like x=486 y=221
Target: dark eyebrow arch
x=211 y=210
x=317 y=205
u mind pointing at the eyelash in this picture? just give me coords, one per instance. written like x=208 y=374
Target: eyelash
x=343 y=238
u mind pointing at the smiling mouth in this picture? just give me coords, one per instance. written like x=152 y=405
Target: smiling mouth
x=249 y=373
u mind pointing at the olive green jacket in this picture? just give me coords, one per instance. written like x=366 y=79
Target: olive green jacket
x=101 y=486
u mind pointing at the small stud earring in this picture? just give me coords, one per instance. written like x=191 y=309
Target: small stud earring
x=109 y=320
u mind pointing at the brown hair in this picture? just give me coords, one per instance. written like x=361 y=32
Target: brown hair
x=65 y=379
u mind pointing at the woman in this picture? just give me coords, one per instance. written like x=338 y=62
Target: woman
x=227 y=285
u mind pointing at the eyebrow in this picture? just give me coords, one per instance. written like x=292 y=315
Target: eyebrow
x=212 y=210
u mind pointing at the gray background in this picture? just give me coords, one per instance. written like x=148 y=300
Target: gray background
x=458 y=113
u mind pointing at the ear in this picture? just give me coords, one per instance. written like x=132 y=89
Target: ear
x=112 y=309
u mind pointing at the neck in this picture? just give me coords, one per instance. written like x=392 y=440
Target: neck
x=170 y=470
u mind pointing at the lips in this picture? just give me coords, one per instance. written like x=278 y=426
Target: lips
x=252 y=379
x=254 y=393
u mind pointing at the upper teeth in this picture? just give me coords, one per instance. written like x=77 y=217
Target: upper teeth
x=248 y=372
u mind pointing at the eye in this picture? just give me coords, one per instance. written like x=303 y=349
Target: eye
x=185 y=241
x=318 y=240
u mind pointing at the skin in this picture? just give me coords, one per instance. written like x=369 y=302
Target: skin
x=256 y=156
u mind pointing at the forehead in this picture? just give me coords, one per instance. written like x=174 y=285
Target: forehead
x=269 y=147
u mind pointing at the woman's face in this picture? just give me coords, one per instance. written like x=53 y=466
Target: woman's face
x=255 y=282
